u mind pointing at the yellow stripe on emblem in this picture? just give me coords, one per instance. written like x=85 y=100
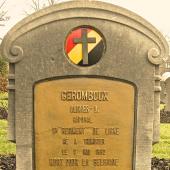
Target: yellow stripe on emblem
x=75 y=54
x=92 y=34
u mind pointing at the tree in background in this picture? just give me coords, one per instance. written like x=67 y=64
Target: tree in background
x=3 y=74
x=36 y=5
x=3 y=14
x=3 y=64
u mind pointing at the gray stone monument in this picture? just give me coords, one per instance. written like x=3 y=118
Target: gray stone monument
x=165 y=74
x=167 y=86
x=165 y=90
x=84 y=88
x=163 y=93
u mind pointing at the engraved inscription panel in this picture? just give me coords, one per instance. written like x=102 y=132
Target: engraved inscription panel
x=84 y=124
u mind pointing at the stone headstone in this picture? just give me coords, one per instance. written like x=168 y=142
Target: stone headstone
x=165 y=89
x=84 y=87
x=163 y=93
x=167 y=85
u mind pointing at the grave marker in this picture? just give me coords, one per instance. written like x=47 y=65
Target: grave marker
x=167 y=86
x=84 y=87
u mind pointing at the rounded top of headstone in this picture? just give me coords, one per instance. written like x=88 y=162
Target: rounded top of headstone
x=84 y=9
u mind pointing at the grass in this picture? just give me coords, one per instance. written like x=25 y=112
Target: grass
x=162 y=149
x=3 y=95
x=4 y=100
x=6 y=147
x=162 y=106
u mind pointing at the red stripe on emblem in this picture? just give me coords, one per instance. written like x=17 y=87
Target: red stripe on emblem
x=69 y=42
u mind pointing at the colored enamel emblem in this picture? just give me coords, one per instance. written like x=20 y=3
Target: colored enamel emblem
x=84 y=46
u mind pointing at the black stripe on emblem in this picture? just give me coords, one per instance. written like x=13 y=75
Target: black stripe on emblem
x=94 y=55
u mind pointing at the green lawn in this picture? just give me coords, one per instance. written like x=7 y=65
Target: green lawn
x=162 y=149
x=3 y=100
x=6 y=147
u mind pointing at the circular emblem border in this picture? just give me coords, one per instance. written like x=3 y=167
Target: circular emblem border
x=84 y=46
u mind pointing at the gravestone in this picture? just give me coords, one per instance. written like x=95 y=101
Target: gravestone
x=165 y=90
x=84 y=88
x=163 y=93
x=167 y=85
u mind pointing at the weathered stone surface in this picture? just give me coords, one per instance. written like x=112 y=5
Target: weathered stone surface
x=167 y=84
x=35 y=49
x=163 y=93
